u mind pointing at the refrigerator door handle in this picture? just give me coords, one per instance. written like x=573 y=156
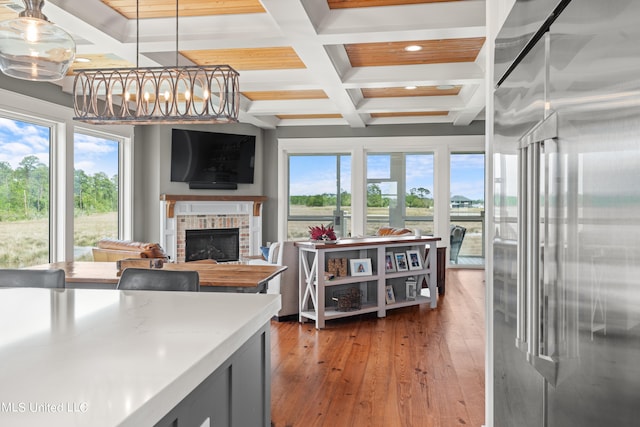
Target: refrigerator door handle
x=521 y=278
x=545 y=331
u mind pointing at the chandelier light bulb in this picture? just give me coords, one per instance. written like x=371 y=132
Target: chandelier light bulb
x=31 y=34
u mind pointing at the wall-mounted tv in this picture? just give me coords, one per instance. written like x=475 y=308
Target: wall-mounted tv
x=211 y=159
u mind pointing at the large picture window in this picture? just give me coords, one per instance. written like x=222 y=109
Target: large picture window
x=25 y=177
x=319 y=193
x=400 y=191
x=95 y=192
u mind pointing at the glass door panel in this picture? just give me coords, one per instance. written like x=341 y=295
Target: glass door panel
x=466 y=214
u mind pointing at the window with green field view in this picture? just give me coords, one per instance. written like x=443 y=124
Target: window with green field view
x=95 y=192
x=319 y=193
x=400 y=191
x=467 y=206
x=24 y=193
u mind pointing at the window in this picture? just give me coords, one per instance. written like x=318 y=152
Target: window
x=399 y=181
x=400 y=191
x=467 y=206
x=25 y=149
x=319 y=193
x=95 y=192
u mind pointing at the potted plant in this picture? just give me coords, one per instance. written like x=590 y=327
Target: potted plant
x=322 y=234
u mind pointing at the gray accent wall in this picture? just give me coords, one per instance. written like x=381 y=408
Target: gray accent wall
x=153 y=157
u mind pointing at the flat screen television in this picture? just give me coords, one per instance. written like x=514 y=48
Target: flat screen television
x=211 y=159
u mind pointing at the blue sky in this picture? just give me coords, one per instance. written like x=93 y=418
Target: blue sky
x=316 y=174
x=20 y=139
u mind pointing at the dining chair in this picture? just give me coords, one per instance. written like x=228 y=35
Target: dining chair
x=159 y=280
x=22 y=278
x=455 y=241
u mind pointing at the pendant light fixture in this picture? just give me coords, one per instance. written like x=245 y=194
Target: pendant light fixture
x=32 y=48
x=150 y=95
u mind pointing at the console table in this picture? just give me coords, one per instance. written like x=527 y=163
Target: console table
x=318 y=293
x=106 y=358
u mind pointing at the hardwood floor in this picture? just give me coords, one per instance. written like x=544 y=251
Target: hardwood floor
x=416 y=367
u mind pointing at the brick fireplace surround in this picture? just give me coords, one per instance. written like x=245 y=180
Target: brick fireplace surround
x=179 y=213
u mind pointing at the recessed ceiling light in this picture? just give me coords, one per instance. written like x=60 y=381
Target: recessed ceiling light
x=445 y=87
x=413 y=48
x=82 y=60
x=411 y=87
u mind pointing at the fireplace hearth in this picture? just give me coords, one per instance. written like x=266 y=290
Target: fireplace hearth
x=220 y=244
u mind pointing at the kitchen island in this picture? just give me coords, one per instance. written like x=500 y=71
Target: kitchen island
x=105 y=358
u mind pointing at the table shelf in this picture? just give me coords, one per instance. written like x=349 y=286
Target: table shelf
x=315 y=301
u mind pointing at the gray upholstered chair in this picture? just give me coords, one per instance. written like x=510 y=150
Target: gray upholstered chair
x=19 y=278
x=456 y=238
x=159 y=280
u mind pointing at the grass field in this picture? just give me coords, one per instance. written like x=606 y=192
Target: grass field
x=25 y=243
x=471 y=246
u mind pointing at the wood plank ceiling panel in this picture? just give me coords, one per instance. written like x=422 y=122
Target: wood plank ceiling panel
x=266 y=58
x=433 y=52
x=167 y=8
x=395 y=92
x=346 y=4
x=285 y=95
x=98 y=62
x=411 y=114
x=309 y=116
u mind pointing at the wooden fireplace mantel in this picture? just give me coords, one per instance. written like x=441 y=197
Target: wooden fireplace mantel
x=171 y=200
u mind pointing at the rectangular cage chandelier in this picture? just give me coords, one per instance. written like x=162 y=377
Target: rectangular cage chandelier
x=178 y=94
x=157 y=95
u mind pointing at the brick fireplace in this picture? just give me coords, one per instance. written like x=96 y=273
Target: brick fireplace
x=180 y=213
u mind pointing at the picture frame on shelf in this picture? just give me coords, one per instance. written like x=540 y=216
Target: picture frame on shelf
x=361 y=267
x=389 y=296
x=401 y=261
x=412 y=288
x=414 y=260
x=389 y=262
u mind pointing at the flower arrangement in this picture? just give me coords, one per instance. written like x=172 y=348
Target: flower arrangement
x=322 y=233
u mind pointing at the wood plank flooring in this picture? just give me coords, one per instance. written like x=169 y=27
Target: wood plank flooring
x=417 y=367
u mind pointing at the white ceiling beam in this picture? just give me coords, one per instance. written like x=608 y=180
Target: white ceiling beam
x=293 y=20
x=409 y=104
x=474 y=101
x=297 y=106
x=298 y=79
x=419 y=75
x=439 y=15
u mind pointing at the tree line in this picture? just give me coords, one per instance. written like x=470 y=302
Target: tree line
x=415 y=198
x=24 y=191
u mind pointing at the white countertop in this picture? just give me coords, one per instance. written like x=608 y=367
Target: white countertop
x=83 y=357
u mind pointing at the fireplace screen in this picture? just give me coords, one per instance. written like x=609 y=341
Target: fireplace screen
x=220 y=244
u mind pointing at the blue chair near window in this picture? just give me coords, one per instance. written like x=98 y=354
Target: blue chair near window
x=19 y=278
x=455 y=242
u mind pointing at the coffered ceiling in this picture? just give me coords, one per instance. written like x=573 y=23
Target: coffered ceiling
x=301 y=62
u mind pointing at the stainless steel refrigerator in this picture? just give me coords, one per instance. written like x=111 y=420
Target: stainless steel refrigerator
x=566 y=245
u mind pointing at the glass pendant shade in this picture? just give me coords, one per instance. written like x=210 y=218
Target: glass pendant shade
x=35 y=49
